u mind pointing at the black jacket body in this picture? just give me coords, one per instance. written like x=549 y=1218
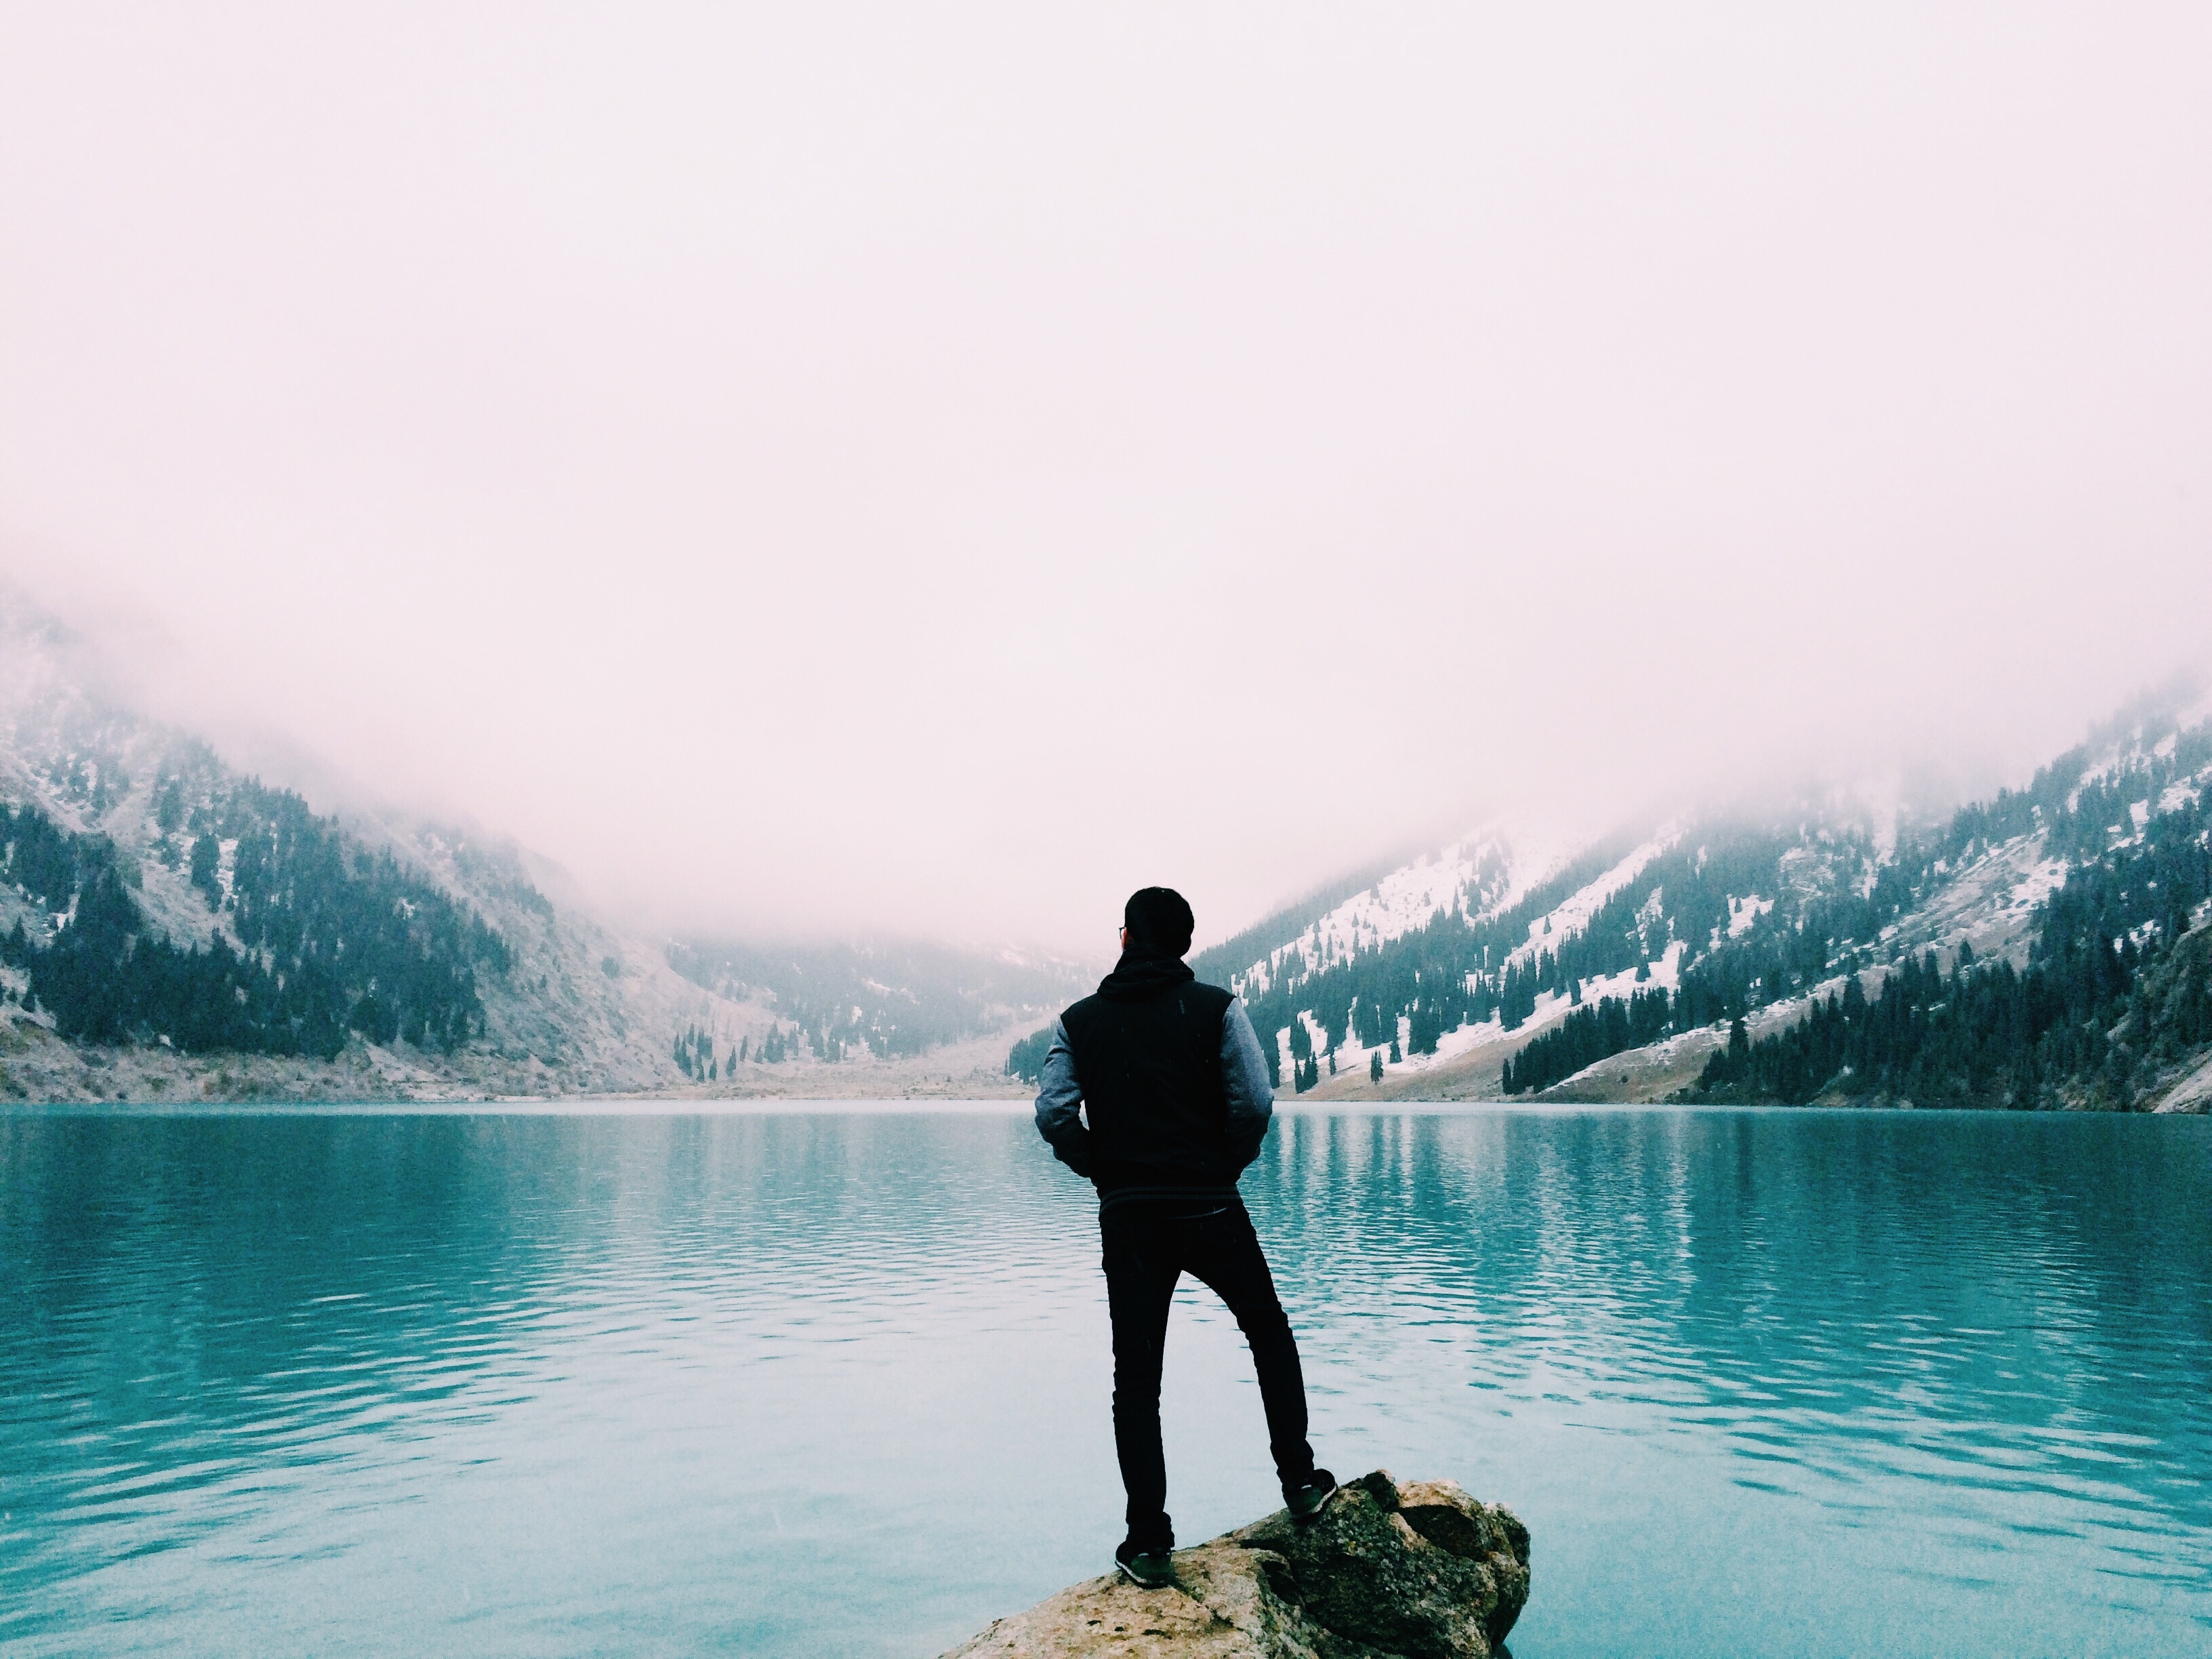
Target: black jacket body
x=1147 y=1048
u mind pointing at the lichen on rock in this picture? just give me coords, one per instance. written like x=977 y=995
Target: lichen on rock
x=1420 y=1570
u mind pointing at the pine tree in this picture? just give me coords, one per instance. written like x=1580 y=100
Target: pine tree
x=207 y=864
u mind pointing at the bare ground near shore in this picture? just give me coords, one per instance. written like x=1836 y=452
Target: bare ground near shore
x=37 y=1066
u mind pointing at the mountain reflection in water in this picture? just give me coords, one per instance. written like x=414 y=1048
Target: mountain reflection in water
x=1778 y=1383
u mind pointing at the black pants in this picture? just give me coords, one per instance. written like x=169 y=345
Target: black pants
x=1145 y=1251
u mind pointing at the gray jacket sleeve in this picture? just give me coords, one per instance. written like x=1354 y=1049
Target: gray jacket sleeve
x=1244 y=1076
x=1059 y=1098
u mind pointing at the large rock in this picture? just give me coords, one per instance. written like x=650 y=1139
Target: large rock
x=1385 y=1572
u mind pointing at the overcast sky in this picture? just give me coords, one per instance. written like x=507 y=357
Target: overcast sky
x=936 y=468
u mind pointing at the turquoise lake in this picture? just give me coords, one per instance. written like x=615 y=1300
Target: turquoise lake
x=833 y=1381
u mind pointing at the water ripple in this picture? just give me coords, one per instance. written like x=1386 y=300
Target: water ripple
x=1761 y=1383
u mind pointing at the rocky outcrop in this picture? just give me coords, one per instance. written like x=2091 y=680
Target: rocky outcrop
x=1386 y=1571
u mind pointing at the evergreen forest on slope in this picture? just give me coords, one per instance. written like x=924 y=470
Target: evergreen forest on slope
x=2107 y=993
x=332 y=937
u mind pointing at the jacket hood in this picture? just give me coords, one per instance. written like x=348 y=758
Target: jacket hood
x=1141 y=976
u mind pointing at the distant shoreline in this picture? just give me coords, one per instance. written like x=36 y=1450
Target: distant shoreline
x=668 y=1106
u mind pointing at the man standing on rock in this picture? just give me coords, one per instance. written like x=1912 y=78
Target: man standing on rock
x=1171 y=1079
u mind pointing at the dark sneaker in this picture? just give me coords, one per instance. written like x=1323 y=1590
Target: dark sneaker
x=1147 y=1569
x=1304 y=1501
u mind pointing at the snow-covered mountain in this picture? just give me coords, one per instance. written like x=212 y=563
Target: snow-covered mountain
x=1525 y=958
x=171 y=928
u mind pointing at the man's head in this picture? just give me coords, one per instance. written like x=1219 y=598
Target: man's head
x=1156 y=922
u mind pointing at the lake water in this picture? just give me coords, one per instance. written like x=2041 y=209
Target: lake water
x=832 y=1383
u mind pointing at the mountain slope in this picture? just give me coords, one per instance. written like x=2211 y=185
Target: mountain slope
x=892 y=1001
x=169 y=928
x=2108 y=1007
x=1617 y=968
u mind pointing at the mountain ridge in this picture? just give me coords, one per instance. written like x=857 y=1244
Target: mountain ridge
x=171 y=928
x=1638 y=971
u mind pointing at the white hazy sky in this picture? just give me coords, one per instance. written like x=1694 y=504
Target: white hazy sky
x=939 y=467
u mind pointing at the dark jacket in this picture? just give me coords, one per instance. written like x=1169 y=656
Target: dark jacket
x=1170 y=1076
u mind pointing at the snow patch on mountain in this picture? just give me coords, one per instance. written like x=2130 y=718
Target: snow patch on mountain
x=1573 y=914
x=1746 y=911
x=1482 y=877
x=1457 y=1050
x=1480 y=870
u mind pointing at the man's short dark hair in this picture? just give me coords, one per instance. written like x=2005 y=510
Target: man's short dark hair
x=1159 y=921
